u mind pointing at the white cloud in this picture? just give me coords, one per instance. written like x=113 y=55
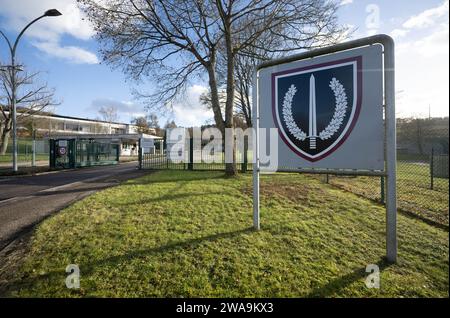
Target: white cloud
x=346 y=2
x=186 y=112
x=423 y=73
x=399 y=33
x=422 y=62
x=371 y=32
x=125 y=109
x=428 y=17
x=432 y=45
x=48 y=31
x=70 y=53
x=190 y=112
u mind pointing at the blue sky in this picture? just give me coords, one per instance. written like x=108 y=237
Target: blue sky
x=63 y=48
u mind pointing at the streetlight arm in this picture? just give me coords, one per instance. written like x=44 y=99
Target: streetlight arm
x=13 y=51
x=7 y=40
x=48 y=13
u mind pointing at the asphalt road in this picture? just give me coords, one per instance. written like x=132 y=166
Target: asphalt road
x=27 y=200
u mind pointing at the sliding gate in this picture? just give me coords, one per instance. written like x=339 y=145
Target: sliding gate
x=194 y=158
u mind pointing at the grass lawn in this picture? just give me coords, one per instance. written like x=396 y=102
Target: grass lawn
x=181 y=233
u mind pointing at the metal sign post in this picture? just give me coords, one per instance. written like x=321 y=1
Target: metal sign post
x=391 y=149
x=33 y=158
x=255 y=119
x=327 y=105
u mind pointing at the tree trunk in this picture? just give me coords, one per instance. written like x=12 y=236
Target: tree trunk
x=4 y=142
x=230 y=168
x=5 y=131
x=247 y=108
x=215 y=104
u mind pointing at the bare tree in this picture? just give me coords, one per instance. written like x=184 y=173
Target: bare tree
x=32 y=98
x=147 y=124
x=108 y=114
x=170 y=124
x=178 y=41
x=153 y=121
x=142 y=124
x=244 y=70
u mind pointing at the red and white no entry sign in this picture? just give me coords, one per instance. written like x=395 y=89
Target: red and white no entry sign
x=62 y=150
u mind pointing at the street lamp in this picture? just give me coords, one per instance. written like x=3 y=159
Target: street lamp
x=13 y=68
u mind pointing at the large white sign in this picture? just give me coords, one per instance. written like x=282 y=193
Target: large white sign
x=328 y=110
x=327 y=107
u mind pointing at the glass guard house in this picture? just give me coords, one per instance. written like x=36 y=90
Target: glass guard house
x=74 y=151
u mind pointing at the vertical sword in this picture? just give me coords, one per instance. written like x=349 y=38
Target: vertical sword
x=312 y=113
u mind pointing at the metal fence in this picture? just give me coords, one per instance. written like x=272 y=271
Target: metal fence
x=422 y=170
x=195 y=158
x=419 y=192
x=25 y=153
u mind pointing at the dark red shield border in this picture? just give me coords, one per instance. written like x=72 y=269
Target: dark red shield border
x=358 y=60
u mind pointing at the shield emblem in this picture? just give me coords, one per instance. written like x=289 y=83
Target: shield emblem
x=315 y=108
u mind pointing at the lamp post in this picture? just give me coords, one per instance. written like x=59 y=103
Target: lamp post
x=12 y=69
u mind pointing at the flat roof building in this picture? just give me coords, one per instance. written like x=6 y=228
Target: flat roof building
x=48 y=125
x=52 y=126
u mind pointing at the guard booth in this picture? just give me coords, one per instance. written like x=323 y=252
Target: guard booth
x=75 y=153
x=62 y=153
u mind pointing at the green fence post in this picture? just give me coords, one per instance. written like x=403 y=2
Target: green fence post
x=382 y=193
x=245 y=161
x=72 y=153
x=52 y=154
x=432 y=169
x=166 y=155
x=33 y=150
x=140 y=153
x=191 y=154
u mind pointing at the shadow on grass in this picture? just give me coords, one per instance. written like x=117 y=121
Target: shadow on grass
x=171 y=195
x=190 y=243
x=170 y=198
x=180 y=176
x=86 y=269
x=336 y=285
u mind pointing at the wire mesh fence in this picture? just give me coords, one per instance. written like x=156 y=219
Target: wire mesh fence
x=422 y=172
x=25 y=153
x=422 y=169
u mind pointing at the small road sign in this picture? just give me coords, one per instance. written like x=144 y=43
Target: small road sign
x=62 y=151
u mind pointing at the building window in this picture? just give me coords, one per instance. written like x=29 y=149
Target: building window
x=73 y=127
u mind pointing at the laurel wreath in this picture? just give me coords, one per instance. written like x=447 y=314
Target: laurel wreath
x=339 y=112
x=336 y=121
x=287 y=114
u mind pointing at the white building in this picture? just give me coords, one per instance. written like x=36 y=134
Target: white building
x=60 y=127
x=48 y=125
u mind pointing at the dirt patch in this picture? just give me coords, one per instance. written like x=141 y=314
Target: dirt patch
x=286 y=191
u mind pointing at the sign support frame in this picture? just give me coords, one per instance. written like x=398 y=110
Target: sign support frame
x=390 y=155
x=256 y=167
